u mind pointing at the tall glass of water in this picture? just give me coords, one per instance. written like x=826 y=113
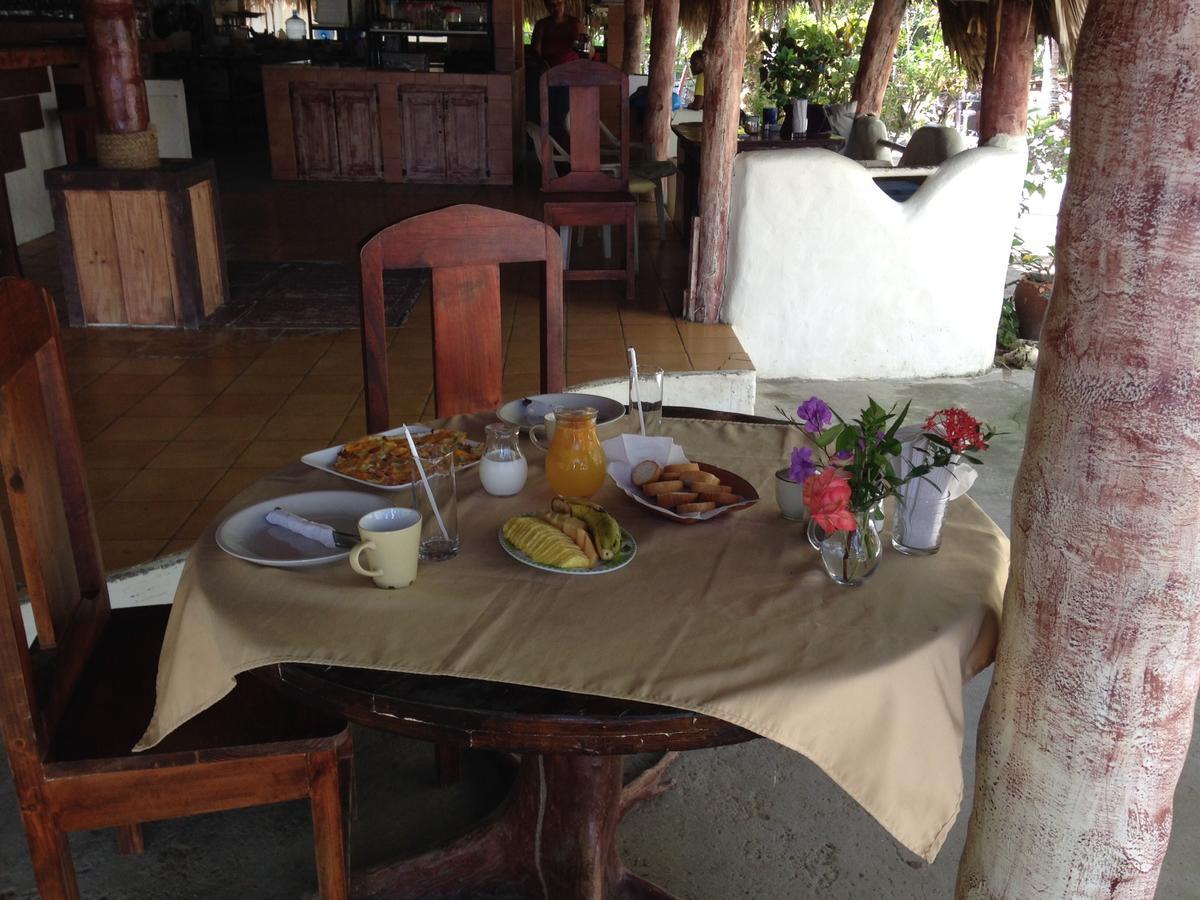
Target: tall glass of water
x=648 y=393
x=439 y=537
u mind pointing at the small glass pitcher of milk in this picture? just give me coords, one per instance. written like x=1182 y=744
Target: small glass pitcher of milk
x=503 y=469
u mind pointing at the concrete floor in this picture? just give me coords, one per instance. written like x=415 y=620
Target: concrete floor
x=752 y=821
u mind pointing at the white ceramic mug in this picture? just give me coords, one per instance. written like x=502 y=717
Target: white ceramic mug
x=391 y=538
x=790 y=497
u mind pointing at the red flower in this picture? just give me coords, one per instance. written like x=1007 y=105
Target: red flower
x=960 y=429
x=827 y=496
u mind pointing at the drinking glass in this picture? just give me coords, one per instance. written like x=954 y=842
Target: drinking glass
x=649 y=391
x=439 y=470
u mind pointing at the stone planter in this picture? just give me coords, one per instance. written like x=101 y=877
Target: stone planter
x=1031 y=299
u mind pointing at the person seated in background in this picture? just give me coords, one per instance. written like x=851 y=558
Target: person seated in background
x=697 y=64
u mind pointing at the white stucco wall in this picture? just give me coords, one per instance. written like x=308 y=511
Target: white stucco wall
x=830 y=278
x=27 y=195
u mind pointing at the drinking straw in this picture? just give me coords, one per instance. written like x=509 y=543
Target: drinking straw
x=637 y=398
x=437 y=513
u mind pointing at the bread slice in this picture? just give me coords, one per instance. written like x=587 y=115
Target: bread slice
x=723 y=499
x=699 y=478
x=709 y=489
x=661 y=487
x=676 y=468
x=674 y=498
x=685 y=508
x=645 y=472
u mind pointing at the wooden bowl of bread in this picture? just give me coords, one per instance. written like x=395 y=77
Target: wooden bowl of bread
x=690 y=492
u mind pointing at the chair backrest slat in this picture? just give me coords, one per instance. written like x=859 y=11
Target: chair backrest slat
x=464 y=247
x=583 y=80
x=44 y=480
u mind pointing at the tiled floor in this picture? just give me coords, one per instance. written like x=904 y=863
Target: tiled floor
x=176 y=423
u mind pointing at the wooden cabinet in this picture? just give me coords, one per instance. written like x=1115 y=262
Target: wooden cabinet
x=445 y=135
x=336 y=131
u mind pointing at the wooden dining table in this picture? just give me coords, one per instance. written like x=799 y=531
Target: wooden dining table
x=572 y=674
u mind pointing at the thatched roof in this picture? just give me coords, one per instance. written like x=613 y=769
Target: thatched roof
x=964 y=27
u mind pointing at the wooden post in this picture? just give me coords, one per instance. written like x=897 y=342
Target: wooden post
x=878 y=51
x=664 y=27
x=1088 y=721
x=1004 y=99
x=635 y=36
x=124 y=138
x=724 y=57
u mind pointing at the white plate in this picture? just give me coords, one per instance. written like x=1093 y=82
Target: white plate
x=248 y=535
x=623 y=558
x=324 y=460
x=518 y=412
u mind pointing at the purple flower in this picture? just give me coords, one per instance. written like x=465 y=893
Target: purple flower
x=802 y=464
x=844 y=454
x=814 y=415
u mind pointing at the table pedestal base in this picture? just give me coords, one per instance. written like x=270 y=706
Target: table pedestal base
x=554 y=836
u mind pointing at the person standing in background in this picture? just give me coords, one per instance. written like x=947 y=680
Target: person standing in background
x=554 y=39
x=697 y=64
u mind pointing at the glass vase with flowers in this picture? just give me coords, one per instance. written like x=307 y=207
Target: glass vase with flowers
x=848 y=469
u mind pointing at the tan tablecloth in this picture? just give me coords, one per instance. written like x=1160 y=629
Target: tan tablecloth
x=734 y=618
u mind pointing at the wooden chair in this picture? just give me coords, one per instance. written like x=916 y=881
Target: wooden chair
x=464 y=246
x=73 y=705
x=593 y=192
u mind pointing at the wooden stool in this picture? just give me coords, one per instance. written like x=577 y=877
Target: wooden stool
x=596 y=209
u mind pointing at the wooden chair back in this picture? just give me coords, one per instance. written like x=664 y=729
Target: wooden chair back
x=44 y=480
x=583 y=79
x=464 y=247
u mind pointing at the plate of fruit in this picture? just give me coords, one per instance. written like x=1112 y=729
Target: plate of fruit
x=573 y=537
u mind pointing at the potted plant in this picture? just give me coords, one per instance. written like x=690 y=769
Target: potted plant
x=1031 y=296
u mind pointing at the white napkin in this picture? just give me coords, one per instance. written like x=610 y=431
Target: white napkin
x=627 y=450
x=314 y=531
x=925 y=498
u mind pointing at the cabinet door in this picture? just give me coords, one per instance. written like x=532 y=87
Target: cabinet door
x=359 y=152
x=314 y=127
x=466 y=136
x=424 y=135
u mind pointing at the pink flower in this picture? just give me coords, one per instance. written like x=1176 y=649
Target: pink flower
x=827 y=496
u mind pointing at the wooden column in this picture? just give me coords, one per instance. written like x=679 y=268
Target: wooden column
x=878 y=51
x=724 y=57
x=112 y=45
x=664 y=28
x=1004 y=99
x=1090 y=714
x=635 y=37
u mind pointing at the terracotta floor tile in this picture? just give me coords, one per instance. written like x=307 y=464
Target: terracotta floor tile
x=91 y=427
x=280 y=365
x=173 y=547
x=95 y=365
x=223 y=428
x=170 y=484
x=169 y=405
x=119 y=555
x=142 y=520
x=147 y=365
x=233 y=482
x=273 y=454
x=317 y=405
x=302 y=428
x=143 y=428
x=329 y=384
x=198 y=455
x=99 y=404
x=263 y=384
x=195 y=384
x=103 y=484
x=202 y=516
x=121 y=454
x=263 y=405
x=337 y=367
x=213 y=366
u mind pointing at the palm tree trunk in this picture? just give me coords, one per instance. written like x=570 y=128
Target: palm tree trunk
x=1004 y=98
x=1087 y=724
x=635 y=36
x=878 y=53
x=664 y=26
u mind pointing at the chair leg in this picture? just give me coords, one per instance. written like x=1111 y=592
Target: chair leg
x=50 y=853
x=329 y=838
x=662 y=209
x=130 y=840
x=606 y=233
x=637 y=255
x=630 y=264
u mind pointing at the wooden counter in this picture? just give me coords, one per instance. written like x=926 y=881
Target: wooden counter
x=357 y=124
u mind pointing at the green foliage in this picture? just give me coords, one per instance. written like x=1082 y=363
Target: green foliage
x=1008 y=331
x=1049 y=141
x=926 y=83
x=814 y=61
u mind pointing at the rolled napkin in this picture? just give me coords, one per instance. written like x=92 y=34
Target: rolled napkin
x=923 y=500
x=314 y=531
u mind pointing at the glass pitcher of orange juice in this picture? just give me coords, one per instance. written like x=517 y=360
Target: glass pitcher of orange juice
x=575 y=462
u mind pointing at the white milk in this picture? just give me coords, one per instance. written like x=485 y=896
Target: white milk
x=502 y=473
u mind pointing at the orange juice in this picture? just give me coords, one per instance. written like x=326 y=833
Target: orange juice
x=575 y=463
